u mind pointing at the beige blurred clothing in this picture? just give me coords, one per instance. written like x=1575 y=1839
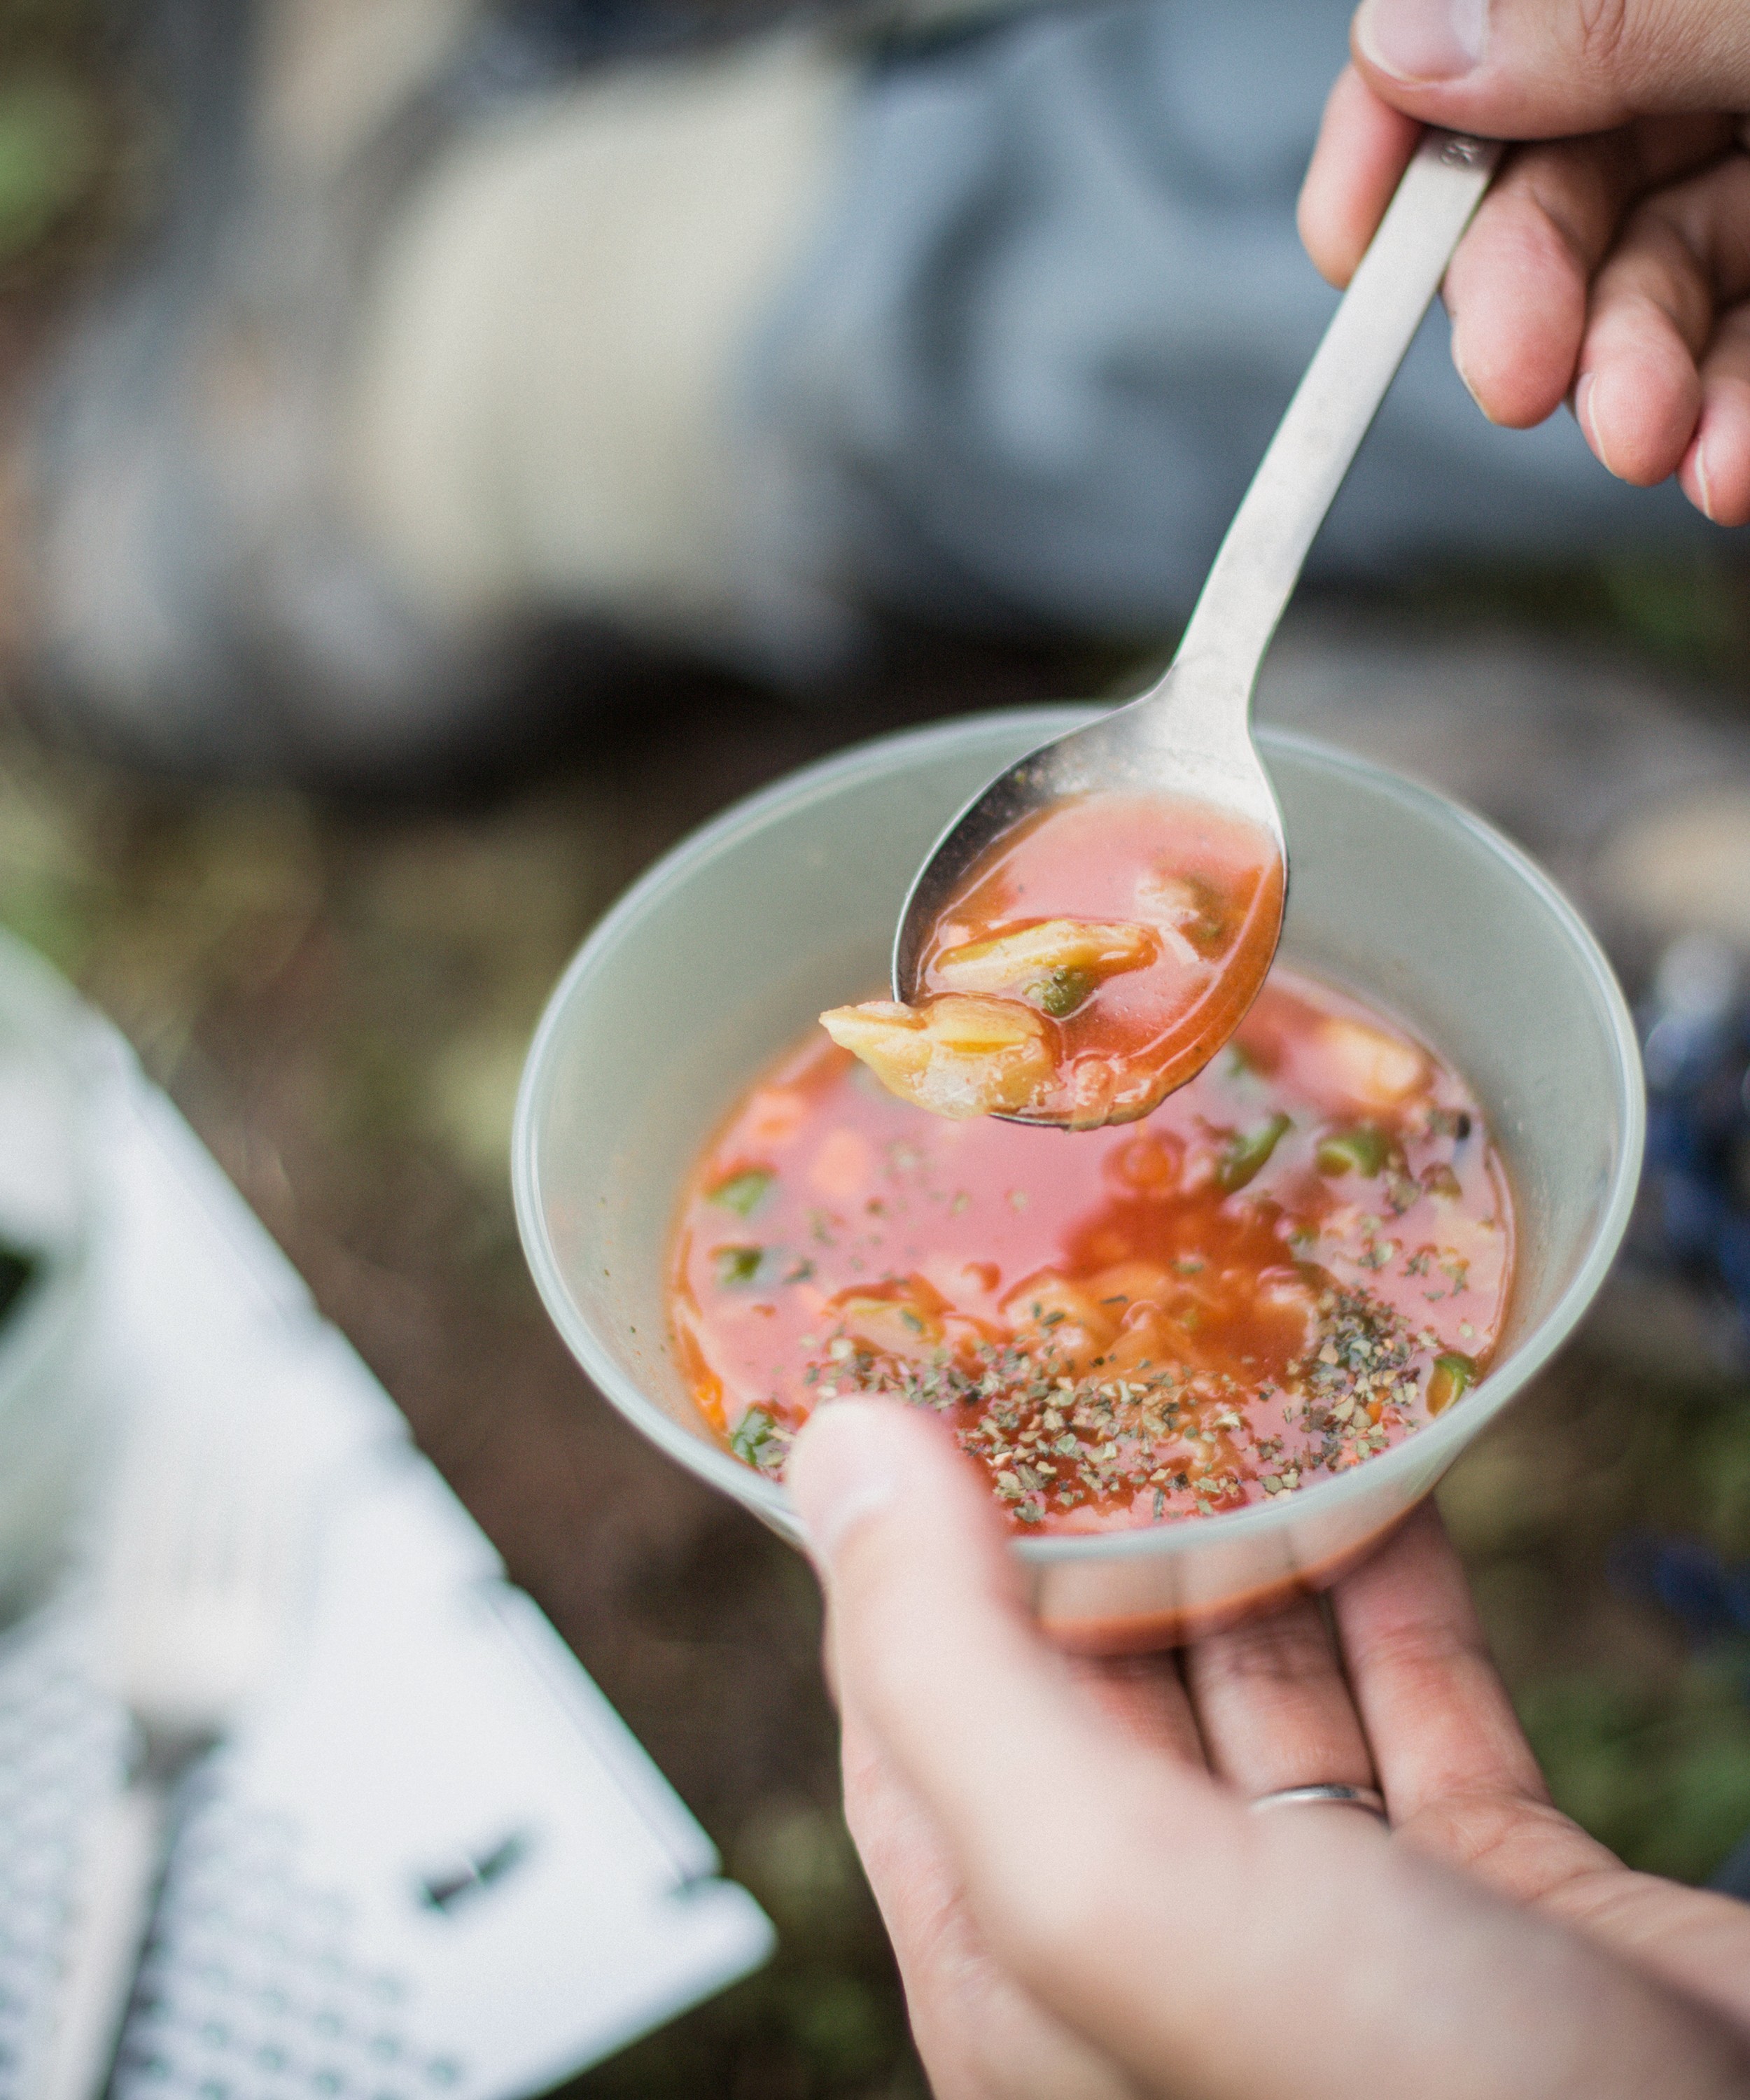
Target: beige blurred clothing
x=333 y=71
x=543 y=407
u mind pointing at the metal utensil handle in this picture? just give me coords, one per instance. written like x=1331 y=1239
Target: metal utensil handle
x=1260 y=560
x=126 y=1859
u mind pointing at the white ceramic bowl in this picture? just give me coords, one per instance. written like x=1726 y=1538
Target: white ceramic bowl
x=726 y=950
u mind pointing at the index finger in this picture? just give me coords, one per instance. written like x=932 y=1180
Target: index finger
x=1363 y=146
x=1435 y=1710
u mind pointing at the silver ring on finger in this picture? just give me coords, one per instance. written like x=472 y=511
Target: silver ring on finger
x=1329 y=1795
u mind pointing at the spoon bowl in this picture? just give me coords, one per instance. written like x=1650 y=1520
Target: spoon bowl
x=1171 y=744
x=1174 y=749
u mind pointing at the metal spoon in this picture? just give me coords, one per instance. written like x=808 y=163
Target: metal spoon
x=1190 y=735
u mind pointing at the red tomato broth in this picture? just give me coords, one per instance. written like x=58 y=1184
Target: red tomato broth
x=1304 y=1254
x=1207 y=885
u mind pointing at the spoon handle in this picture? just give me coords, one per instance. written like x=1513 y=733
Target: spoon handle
x=1260 y=560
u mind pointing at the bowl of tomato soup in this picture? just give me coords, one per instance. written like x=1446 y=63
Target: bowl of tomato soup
x=1203 y=1360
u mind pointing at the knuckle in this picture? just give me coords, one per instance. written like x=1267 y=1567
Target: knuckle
x=1503 y=1837
x=1475 y=1829
x=1567 y=198
x=1287 y=1650
x=1418 y=1653
x=1606 y=31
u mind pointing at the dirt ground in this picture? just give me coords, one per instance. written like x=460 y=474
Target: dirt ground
x=339 y=997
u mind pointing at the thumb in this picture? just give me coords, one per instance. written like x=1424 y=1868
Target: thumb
x=1549 y=69
x=928 y=1634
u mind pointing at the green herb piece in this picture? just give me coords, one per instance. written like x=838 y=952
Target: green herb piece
x=1366 y=1148
x=756 y=1441
x=1061 y=991
x=1452 y=1373
x=1248 y=1151
x=1206 y=925
x=16 y=1270
x=739 y=1265
x=744 y=1193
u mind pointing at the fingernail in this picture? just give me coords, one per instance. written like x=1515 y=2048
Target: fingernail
x=1583 y=416
x=1459 y=366
x=1423 y=40
x=1702 y=484
x=841 y=1472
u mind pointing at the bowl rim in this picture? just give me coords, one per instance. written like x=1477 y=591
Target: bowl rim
x=1434 y=1446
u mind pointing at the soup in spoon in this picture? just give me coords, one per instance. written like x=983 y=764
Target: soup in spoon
x=1097 y=956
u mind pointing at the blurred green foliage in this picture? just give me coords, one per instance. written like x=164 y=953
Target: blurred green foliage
x=1695 y=612
x=1690 y=611
x=79 y=145
x=1644 y=1739
x=51 y=147
x=1660 y=1771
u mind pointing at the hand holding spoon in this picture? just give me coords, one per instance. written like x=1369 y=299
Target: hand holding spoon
x=1004 y=1005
